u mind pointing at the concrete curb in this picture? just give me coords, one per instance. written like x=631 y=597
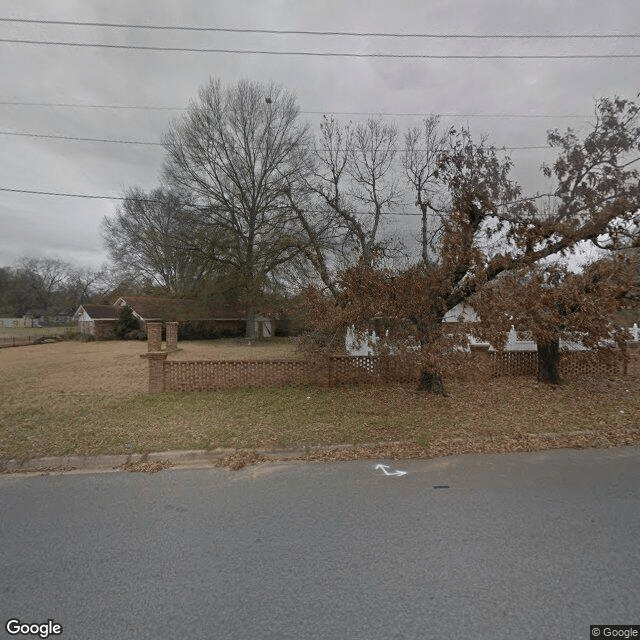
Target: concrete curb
x=202 y=458
x=115 y=462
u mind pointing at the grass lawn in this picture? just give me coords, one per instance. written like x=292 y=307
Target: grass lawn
x=90 y=398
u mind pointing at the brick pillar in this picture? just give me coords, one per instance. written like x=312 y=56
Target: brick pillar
x=156 y=370
x=172 y=336
x=154 y=336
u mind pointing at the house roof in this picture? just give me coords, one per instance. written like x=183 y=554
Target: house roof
x=154 y=308
x=101 y=311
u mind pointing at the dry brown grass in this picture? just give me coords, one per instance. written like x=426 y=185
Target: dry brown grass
x=90 y=398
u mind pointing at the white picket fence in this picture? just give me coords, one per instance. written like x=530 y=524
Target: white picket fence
x=364 y=343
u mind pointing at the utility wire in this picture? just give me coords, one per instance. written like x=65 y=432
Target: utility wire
x=78 y=138
x=159 y=144
x=374 y=34
x=446 y=115
x=326 y=54
x=66 y=195
x=122 y=198
x=81 y=105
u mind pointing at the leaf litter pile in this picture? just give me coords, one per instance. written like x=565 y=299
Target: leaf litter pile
x=146 y=466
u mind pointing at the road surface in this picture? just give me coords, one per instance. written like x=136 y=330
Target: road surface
x=514 y=546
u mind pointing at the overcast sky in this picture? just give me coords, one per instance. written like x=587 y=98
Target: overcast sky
x=69 y=228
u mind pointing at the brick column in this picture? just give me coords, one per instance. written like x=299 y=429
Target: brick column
x=172 y=336
x=154 y=336
x=156 y=370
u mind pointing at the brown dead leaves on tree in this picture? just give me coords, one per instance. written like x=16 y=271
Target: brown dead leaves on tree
x=506 y=255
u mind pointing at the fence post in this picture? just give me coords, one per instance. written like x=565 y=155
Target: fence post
x=156 y=370
x=172 y=336
x=154 y=336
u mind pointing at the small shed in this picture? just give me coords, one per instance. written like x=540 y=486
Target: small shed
x=262 y=327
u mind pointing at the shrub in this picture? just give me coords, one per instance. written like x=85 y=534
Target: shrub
x=210 y=329
x=125 y=324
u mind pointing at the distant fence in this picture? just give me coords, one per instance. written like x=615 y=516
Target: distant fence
x=22 y=341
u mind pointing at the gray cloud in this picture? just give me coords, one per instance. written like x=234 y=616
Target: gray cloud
x=69 y=228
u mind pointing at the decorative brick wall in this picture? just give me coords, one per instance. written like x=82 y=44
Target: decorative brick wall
x=633 y=359
x=515 y=363
x=201 y=375
x=580 y=363
x=181 y=375
x=577 y=363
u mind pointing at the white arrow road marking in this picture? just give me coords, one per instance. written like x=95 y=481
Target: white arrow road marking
x=384 y=468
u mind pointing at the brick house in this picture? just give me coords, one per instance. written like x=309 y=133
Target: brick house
x=96 y=320
x=217 y=318
x=220 y=317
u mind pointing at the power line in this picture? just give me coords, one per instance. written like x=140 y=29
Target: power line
x=326 y=54
x=84 y=105
x=159 y=144
x=121 y=198
x=65 y=195
x=445 y=115
x=374 y=34
x=78 y=138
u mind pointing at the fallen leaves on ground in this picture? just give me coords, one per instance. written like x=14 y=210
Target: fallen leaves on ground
x=240 y=459
x=144 y=466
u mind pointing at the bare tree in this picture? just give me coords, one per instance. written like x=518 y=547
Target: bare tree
x=84 y=284
x=423 y=155
x=152 y=237
x=41 y=285
x=238 y=152
x=355 y=183
x=43 y=280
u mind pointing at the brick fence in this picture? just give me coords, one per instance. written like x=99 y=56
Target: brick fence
x=202 y=375
x=577 y=363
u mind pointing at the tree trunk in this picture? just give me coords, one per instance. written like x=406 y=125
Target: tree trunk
x=548 y=362
x=431 y=382
x=425 y=236
x=250 y=325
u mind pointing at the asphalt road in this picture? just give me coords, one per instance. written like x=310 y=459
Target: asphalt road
x=518 y=546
